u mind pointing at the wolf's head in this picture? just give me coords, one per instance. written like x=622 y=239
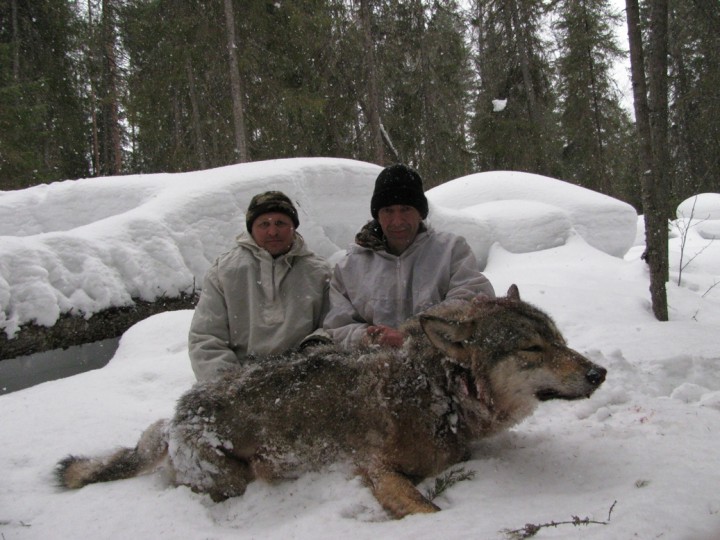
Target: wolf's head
x=511 y=353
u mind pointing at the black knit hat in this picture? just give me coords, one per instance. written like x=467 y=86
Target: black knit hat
x=270 y=201
x=398 y=184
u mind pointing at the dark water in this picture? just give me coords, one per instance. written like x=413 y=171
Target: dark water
x=26 y=371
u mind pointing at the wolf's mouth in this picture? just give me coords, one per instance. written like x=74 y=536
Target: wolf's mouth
x=548 y=394
x=468 y=383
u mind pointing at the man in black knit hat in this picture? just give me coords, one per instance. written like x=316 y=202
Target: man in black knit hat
x=398 y=266
x=264 y=296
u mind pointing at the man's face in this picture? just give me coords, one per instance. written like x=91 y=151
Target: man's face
x=273 y=232
x=400 y=224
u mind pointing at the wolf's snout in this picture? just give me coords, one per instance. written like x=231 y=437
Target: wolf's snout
x=596 y=375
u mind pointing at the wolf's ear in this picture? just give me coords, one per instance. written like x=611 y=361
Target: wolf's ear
x=513 y=292
x=447 y=335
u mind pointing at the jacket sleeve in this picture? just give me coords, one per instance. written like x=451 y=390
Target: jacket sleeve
x=466 y=280
x=343 y=322
x=319 y=335
x=209 y=337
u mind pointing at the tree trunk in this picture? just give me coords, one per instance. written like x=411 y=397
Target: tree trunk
x=658 y=102
x=656 y=235
x=523 y=54
x=90 y=62
x=15 y=41
x=236 y=87
x=373 y=101
x=94 y=123
x=197 y=127
x=113 y=99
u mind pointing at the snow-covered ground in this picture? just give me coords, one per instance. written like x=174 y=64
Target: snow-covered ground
x=640 y=455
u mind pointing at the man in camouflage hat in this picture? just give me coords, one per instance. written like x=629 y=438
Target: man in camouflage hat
x=264 y=296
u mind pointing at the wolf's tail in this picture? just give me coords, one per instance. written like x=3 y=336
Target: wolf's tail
x=74 y=472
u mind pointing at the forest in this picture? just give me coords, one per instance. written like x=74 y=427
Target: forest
x=107 y=87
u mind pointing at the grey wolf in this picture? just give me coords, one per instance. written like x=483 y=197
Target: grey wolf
x=466 y=370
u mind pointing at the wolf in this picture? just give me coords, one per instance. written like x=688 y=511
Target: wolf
x=467 y=370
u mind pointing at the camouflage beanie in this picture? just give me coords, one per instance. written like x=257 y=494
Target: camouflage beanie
x=398 y=184
x=270 y=201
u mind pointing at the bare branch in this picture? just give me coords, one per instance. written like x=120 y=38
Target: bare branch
x=531 y=529
x=684 y=229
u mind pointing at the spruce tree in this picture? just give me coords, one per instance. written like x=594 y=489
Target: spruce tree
x=42 y=125
x=695 y=98
x=514 y=124
x=592 y=118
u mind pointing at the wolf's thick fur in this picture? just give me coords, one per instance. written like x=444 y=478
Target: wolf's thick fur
x=467 y=370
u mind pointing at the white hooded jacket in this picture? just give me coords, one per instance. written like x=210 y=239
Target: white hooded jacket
x=371 y=286
x=252 y=304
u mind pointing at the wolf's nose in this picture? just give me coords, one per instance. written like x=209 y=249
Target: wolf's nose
x=596 y=375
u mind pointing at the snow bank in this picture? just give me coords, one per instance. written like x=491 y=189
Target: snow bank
x=644 y=445
x=85 y=245
x=605 y=223
x=81 y=246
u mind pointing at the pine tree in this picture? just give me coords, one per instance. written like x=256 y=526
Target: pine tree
x=695 y=98
x=592 y=119
x=512 y=68
x=42 y=126
x=179 y=91
x=446 y=96
x=292 y=57
x=423 y=77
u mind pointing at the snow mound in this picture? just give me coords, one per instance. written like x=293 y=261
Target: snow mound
x=85 y=245
x=704 y=206
x=81 y=246
x=605 y=223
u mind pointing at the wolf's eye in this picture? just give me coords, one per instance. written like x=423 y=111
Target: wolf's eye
x=533 y=348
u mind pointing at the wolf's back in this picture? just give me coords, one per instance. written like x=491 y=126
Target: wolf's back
x=74 y=472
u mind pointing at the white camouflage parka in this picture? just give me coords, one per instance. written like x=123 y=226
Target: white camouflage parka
x=252 y=304
x=371 y=286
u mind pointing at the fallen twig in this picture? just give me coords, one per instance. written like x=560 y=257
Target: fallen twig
x=531 y=529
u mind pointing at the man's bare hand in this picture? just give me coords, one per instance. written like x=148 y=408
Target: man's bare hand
x=385 y=336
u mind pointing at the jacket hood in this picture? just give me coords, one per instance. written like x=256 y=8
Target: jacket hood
x=298 y=248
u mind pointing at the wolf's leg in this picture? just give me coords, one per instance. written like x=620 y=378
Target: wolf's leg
x=397 y=494
x=205 y=463
x=231 y=479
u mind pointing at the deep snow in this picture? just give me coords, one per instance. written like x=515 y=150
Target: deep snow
x=646 y=442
